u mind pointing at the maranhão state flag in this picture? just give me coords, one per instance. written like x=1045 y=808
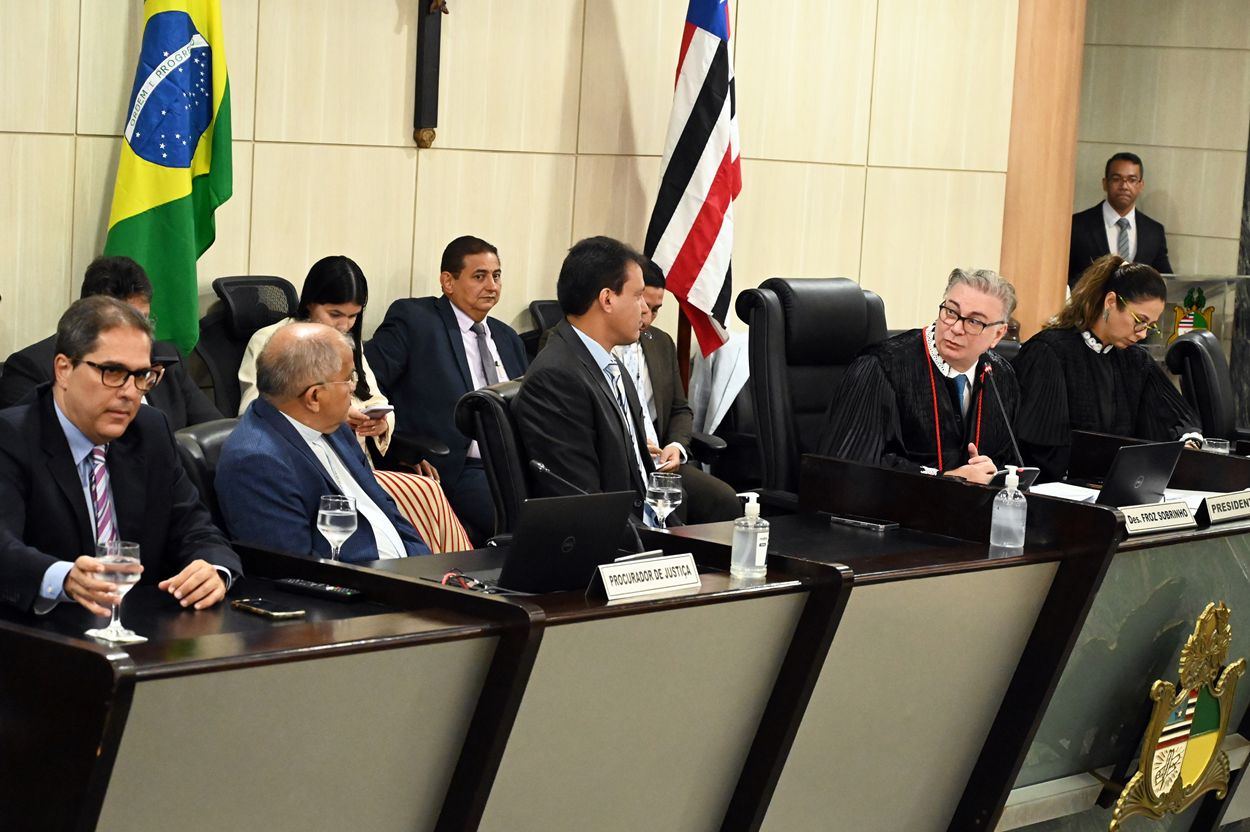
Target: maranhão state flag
x=690 y=235
x=175 y=166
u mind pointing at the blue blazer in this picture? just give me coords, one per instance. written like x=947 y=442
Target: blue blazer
x=418 y=357
x=269 y=485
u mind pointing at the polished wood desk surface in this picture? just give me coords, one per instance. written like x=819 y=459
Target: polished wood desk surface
x=180 y=639
x=561 y=607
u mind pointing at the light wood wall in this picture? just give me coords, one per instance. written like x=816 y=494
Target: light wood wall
x=874 y=139
x=1171 y=83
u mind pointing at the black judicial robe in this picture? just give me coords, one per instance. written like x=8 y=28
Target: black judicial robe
x=883 y=413
x=1065 y=386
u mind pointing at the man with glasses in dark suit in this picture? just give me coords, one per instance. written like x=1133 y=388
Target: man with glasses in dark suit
x=82 y=463
x=1115 y=226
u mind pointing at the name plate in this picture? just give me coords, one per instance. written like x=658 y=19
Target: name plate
x=1157 y=517
x=635 y=578
x=1224 y=507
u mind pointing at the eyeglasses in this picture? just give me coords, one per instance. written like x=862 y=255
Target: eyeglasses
x=353 y=381
x=972 y=326
x=1138 y=324
x=115 y=375
x=1132 y=181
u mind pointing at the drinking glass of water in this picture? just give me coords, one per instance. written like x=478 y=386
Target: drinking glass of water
x=663 y=495
x=336 y=521
x=121 y=567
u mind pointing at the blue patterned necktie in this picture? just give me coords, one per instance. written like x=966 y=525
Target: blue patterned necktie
x=961 y=384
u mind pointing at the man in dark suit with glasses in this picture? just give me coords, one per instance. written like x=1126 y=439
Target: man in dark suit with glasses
x=82 y=463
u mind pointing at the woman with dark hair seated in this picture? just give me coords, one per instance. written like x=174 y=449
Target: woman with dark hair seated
x=335 y=293
x=1085 y=371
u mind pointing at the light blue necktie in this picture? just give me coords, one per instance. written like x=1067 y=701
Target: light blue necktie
x=961 y=384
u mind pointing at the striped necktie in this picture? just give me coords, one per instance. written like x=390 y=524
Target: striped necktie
x=101 y=500
x=1122 y=241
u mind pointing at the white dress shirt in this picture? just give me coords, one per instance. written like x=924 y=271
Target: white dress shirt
x=388 y=541
x=1109 y=219
x=634 y=360
x=473 y=356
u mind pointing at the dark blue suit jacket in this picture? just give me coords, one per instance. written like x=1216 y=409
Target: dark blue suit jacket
x=418 y=356
x=269 y=485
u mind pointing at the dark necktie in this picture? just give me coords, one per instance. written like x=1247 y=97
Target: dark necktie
x=483 y=354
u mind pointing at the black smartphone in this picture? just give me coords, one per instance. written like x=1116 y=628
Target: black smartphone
x=266 y=609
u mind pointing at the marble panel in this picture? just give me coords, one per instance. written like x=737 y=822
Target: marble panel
x=1164 y=96
x=1140 y=619
x=1208 y=24
x=1194 y=192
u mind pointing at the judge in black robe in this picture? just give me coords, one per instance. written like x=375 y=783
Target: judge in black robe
x=1072 y=381
x=1086 y=371
x=884 y=412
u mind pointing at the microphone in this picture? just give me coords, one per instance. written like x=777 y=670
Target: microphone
x=543 y=469
x=989 y=371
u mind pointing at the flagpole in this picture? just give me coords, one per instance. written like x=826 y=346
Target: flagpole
x=683 y=349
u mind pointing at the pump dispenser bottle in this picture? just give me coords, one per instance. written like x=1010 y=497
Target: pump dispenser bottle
x=1010 y=513
x=749 y=558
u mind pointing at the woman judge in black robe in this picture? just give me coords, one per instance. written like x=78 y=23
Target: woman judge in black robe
x=1084 y=371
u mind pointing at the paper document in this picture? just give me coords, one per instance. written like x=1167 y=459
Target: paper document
x=1193 y=499
x=1065 y=491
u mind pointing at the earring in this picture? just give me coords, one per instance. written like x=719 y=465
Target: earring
x=1105 y=315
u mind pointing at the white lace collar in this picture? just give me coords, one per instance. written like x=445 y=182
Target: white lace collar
x=930 y=337
x=1091 y=341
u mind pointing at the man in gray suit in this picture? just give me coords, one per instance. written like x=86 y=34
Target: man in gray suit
x=651 y=362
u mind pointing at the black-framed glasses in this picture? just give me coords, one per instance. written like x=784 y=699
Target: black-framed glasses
x=972 y=326
x=353 y=381
x=1131 y=181
x=1138 y=324
x=115 y=375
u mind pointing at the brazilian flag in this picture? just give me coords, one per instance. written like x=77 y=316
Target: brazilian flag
x=175 y=166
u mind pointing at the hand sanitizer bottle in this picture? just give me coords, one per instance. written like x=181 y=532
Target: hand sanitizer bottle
x=1010 y=512
x=749 y=558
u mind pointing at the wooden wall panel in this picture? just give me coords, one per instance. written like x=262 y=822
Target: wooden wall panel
x=38 y=65
x=1037 y=209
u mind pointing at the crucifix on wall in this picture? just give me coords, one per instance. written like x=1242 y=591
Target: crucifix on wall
x=429 y=31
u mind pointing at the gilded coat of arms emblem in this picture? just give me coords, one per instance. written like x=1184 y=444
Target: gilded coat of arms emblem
x=1192 y=315
x=1181 y=758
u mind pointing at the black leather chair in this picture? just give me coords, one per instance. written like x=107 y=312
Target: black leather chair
x=487 y=415
x=546 y=314
x=200 y=448
x=804 y=334
x=1008 y=350
x=248 y=303
x=1198 y=359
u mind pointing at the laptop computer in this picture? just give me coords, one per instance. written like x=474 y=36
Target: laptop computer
x=558 y=542
x=1139 y=474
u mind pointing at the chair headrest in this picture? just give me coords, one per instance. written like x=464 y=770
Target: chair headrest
x=254 y=302
x=546 y=314
x=210 y=436
x=496 y=397
x=826 y=318
x=1197 y=343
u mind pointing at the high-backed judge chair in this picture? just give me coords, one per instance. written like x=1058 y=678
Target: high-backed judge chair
x=1198 y=359
x=200 y=448
x=545 y=314
x=248 y=303
x=804 y=335
x=486 y=415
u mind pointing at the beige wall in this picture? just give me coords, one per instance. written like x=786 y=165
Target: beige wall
x=1171 y=83
x=874 y=138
